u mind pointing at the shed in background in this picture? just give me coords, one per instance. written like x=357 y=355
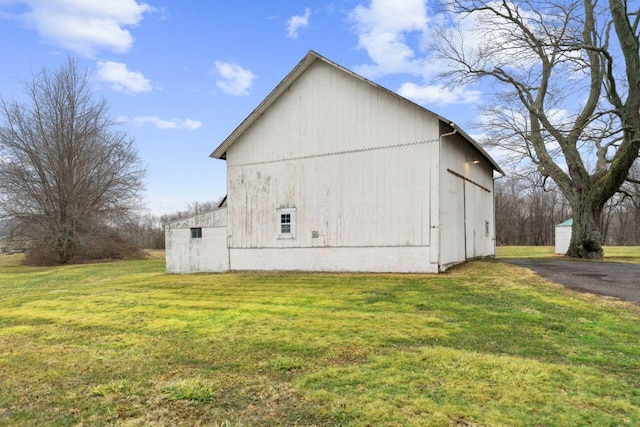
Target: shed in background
x=563 y=236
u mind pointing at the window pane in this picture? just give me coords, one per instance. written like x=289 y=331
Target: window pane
x=286 y=220
x=285 y=223
x=196 y=233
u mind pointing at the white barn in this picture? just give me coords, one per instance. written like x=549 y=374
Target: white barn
x=332 y=172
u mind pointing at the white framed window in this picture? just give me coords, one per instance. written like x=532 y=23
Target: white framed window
x=286 y=223
x=196 y=233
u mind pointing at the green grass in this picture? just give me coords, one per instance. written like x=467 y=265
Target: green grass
x=525 y=251
x=124 y=343
x=611 y=253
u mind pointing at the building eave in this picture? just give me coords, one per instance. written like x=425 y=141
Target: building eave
x=195 y=215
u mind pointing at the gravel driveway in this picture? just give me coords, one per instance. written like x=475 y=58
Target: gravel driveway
x=603 y=278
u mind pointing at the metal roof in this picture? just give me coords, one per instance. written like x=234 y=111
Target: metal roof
x=298 y=70
x=567 y=223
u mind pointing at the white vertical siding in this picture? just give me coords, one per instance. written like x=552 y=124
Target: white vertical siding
x=356 y=163
x=209 y=253
x=374 y=198
x=563 y=239
x=466 y=203
x=325 y=111
x=370 y=259
x=452 y=220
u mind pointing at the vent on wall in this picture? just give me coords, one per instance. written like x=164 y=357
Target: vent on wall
x=315 y=234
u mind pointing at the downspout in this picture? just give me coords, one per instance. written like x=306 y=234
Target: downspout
x=226 y=199
x=464 y=218
x=440 y=192
x=495 y=233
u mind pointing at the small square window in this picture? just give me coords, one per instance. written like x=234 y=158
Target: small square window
x=196 y=233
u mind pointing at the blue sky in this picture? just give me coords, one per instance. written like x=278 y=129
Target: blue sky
x=181 y=75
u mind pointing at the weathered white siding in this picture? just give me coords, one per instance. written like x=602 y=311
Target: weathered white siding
x=355 y=162
x=563 y=237
x=374 y=198
x=359 y=176
x=397 y=259
x=452 y=237
x=209 y=253
x=466 y=200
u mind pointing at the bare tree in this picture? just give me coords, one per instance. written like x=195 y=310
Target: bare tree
x=627 y=210
x=67 y=176
x=146 y=230
x=527 y=211
x=566 y=74
x=199 y=207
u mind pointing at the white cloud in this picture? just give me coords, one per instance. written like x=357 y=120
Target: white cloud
x=382 y=29
x=122 y=79
x=233 y=79
x=297 y=22
x=498 y=41
x=394 y=35
x=163 y=124
x=85 y=26
x=439 y=94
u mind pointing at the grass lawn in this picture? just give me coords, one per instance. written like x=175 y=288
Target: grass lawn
x=485 y=344
x=611 y=253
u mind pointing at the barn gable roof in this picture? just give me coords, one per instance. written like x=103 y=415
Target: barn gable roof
x=298 y=70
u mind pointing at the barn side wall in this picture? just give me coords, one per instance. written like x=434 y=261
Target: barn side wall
x=354 y=165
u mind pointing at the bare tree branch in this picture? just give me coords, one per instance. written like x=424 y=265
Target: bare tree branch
x=567 y=76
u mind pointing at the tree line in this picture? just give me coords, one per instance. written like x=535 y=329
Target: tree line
x=147 y=230
x=527 y=211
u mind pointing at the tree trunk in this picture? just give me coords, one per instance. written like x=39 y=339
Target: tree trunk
x=63 y=247
x=586 y=235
